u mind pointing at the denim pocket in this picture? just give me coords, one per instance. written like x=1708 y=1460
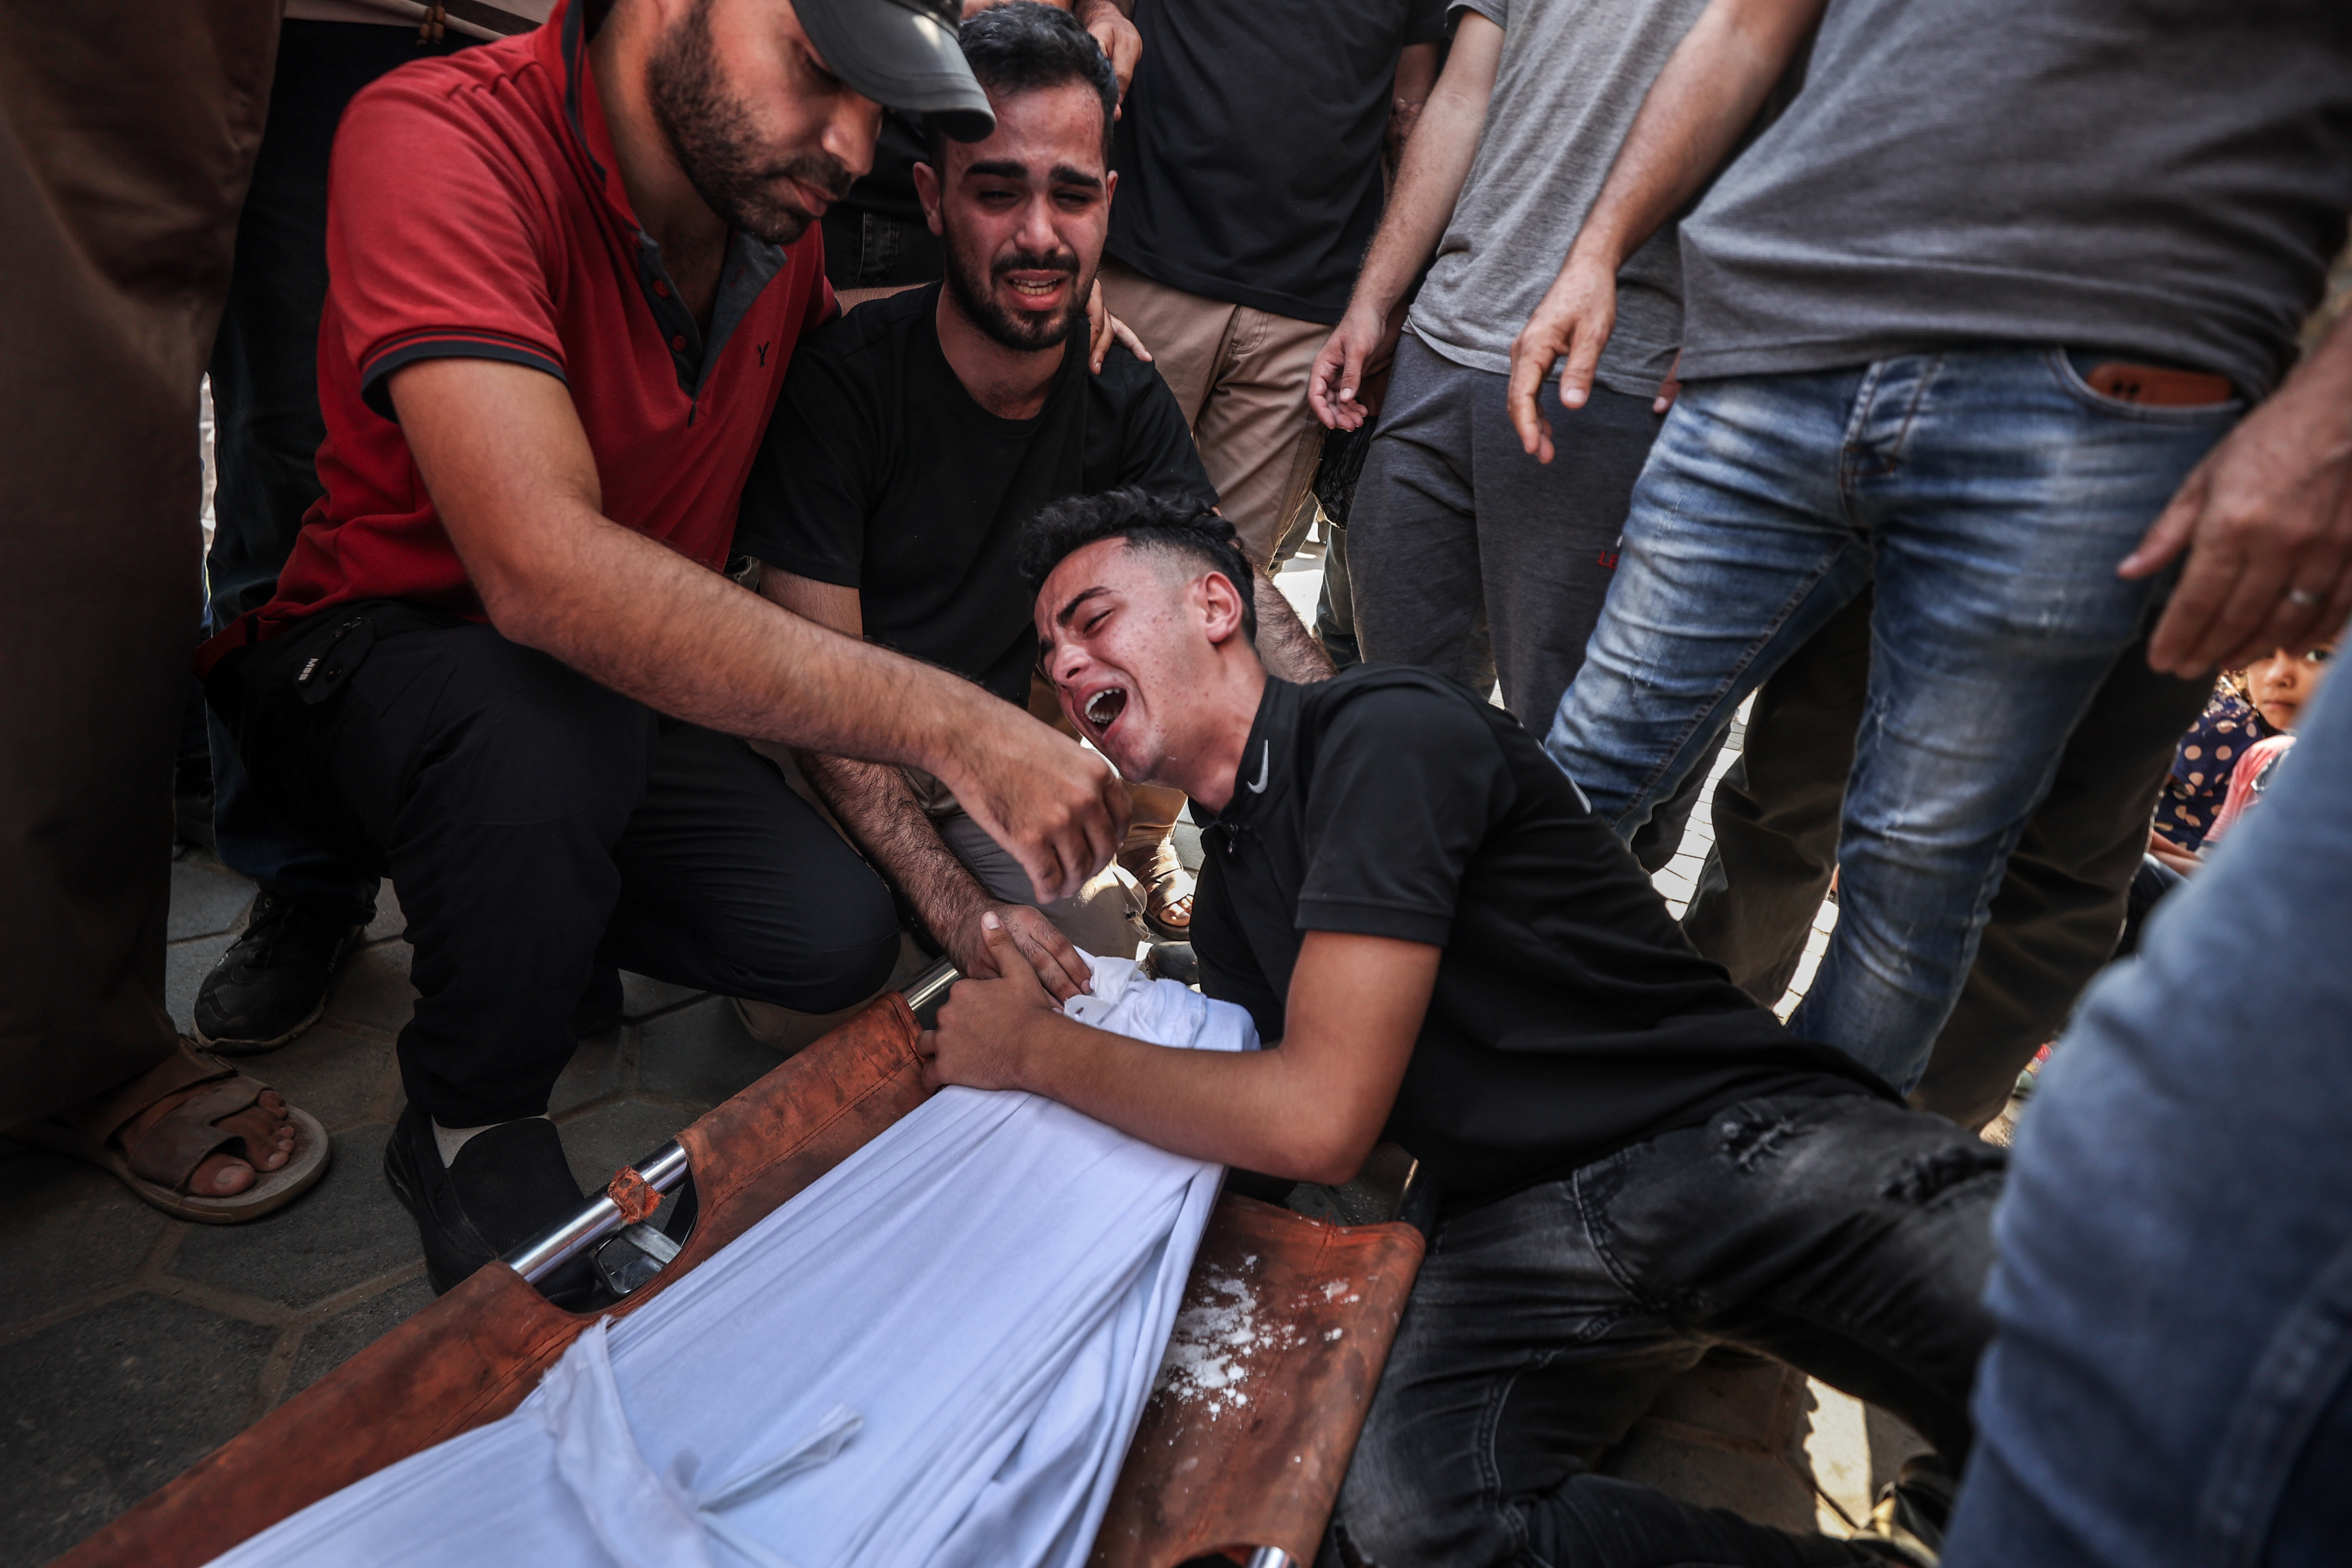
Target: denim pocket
x=2302 y=1376
x=2062 y=365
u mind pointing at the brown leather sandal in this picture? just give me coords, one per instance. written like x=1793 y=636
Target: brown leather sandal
x=1167 y=891
x=157 y=1162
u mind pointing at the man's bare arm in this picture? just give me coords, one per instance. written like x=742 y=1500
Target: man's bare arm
x=1284 y=643
x=1436 y=162
x=873 y=802
x=1710 y=90
x=1309 y=1108
x=502 y=452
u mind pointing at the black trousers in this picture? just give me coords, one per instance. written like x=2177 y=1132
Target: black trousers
x=1847 y=1236
x=2060 y=906
x=267 y=425
x=541 y=829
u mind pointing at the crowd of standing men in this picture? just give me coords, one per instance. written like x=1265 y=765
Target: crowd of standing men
x=1934 y=376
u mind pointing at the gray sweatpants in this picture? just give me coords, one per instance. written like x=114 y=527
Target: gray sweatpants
x=1468 y=557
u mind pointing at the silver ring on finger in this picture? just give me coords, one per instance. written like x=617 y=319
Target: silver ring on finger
x=2305 y=599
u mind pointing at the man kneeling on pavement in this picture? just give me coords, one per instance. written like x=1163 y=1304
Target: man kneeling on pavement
x=1440 y=942
x=915 y=437
x=568 y=271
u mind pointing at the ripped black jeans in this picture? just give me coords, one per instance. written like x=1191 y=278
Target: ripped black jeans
x=1847 y=1235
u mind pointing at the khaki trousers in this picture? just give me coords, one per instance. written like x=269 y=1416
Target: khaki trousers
x=1240 y=376
x=127 y=135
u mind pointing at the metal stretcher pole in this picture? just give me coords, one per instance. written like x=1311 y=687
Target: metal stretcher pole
x=664 y=1169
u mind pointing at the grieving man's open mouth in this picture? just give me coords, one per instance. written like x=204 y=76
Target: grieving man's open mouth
x=1103 y=708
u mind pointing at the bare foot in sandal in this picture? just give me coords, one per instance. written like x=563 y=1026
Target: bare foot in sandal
x=194 y=1137
x=265 y=1129
x=1167 y=889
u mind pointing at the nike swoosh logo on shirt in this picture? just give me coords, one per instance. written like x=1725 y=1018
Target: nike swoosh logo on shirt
x=1265 y=762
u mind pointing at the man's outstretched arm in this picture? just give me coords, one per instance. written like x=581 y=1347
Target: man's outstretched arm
x=873 y=802
x=1437 y=158
x=1710 y=90
x=1309 y=1108
x=502 y=452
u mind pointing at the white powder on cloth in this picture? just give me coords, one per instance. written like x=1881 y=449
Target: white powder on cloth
x=1212 y=1346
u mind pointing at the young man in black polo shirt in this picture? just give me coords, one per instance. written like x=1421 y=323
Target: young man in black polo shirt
x=915 y=436
x=1440 y=941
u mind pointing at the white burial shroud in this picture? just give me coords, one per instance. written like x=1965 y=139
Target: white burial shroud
x=936 y=1355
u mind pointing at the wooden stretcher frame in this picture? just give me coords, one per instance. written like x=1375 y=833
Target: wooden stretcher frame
x=1253 y=1479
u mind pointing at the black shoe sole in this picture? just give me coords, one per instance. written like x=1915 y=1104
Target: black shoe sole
x=256 y=1047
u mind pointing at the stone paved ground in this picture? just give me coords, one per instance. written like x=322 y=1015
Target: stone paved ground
x=132 y=1344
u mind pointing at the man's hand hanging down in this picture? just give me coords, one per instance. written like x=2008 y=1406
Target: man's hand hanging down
x=1351 y=369
x=1712 y=87
x=2266 y=519
x=1571 y=324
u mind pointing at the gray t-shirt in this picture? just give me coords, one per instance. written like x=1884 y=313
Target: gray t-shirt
x=2162 y=179
x=1572 y=75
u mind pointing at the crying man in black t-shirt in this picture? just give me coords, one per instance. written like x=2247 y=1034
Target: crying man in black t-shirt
x=915 y=435
x=1440 y=942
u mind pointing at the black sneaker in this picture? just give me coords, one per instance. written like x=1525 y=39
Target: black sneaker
x=506 y=1186
x=271 y=983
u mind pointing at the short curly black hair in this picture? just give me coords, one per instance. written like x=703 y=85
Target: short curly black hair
x=1174 y=525
x=1025 y=47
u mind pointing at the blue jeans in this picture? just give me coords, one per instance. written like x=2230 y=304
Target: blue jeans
x=1987 y=495
x=2171 y=1378
x=1845 y=1234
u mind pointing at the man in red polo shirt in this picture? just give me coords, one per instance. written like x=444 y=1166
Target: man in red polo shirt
x=503 y=665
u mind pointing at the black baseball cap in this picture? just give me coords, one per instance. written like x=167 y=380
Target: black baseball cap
x=902 y=54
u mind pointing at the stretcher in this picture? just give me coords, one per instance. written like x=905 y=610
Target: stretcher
x=1285 y=1328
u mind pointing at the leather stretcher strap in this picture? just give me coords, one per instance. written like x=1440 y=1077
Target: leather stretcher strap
x=472 y=1355
x=1296 y=1318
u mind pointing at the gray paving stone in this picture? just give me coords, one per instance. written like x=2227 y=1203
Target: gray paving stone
x=606 y=1138
x=206 y=898
x=107 y=1407
x=186 y=964
x=700 y=1054
x=1755 y=1402
x=599 y=1069
x=73 y=1230
x=389 y=922
x=340 y=1076
x=1762 y=1487
x=372 y=988
x=347 y=1230
x=336 y=1341
x=642 y=995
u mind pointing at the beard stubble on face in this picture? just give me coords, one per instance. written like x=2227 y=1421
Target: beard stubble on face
x=974 y=285
x=710 y=135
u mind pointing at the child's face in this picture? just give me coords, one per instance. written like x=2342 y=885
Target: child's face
x=2284 y=683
